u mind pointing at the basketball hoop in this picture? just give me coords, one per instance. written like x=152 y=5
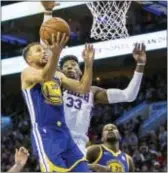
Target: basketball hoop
x=109 y=19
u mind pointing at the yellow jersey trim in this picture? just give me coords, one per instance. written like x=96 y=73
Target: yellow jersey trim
x=99 y=156
x=113 y=153
x=54 y=168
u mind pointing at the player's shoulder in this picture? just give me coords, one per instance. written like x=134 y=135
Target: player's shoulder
x=94 y=148
x=127 y=155
x=25 y=72
x=94 y=153
x=28 y=71
x=129 y=158
x=24 y=77
x=130 y=163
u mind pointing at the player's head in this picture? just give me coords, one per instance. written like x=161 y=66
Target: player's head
x=70 y=66
x=110 y=134
x=35 y=54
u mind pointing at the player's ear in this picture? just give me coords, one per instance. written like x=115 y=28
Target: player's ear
x=29 y=59
x=80 y=72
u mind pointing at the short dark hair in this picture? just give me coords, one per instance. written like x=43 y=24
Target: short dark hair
x=27 y=49
x=67 y=58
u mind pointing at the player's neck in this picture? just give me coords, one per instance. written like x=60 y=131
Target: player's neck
x=36 y=66
x=114 y=147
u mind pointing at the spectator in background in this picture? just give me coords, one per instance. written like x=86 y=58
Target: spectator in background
x=21 y=157
x=162 y=136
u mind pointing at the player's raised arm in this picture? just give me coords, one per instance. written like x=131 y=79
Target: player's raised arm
x=21 y=157
x=130 y=93
x=51 y=55
x=58 y=44
x=48 y=6
x=82 y=86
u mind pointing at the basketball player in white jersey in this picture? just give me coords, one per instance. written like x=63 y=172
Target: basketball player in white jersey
x=78 y=107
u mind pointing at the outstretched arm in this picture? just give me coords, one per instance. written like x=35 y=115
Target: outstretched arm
x=21 y=157
x=48 y=11
x=82 y=86
x=130 y=93
x=48 y=6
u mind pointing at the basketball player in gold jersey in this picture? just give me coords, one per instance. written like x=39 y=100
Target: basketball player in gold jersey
x=108 y=157
x=52 y=143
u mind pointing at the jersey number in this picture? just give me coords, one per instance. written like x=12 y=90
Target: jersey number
x=74 y=103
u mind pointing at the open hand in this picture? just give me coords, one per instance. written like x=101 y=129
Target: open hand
x=88 y=54
x=139 y=53
x=58 y=42
x=98 y=168
x=21 y=156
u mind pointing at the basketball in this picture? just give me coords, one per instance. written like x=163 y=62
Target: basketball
x=52 y=26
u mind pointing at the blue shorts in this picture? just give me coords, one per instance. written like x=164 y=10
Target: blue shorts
x=56 y=150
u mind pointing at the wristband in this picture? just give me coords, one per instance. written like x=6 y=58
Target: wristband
x=48 y=12
x=140 y=63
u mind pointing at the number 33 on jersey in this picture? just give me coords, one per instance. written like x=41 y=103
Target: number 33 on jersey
x=77 y=109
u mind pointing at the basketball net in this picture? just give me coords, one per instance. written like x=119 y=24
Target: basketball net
x=109 y=19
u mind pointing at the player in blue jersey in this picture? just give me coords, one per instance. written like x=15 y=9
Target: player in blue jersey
x=108 y=157
x=51 y=139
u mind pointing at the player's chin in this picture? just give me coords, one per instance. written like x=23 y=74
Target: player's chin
x=71 y=75
x=111 y=137
x=111 y=140
x=44 y=62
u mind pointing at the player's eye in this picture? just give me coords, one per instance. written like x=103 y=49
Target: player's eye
x=38 y=49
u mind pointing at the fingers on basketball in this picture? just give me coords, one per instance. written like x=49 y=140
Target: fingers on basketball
x=56 y=26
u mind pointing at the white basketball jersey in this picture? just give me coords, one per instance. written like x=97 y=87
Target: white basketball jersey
x=78 y=108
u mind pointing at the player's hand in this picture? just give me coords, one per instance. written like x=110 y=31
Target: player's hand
x=49 y=5
x=98 y=168
x=139 y=53
x=88 y=54
x=58 y=42
x=21 y=156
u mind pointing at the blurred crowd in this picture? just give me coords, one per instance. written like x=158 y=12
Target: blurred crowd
x=149 y=152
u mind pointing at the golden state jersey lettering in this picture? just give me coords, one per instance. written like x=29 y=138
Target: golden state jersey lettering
x=52 y=92
x=115 y=166
x=116 y=161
